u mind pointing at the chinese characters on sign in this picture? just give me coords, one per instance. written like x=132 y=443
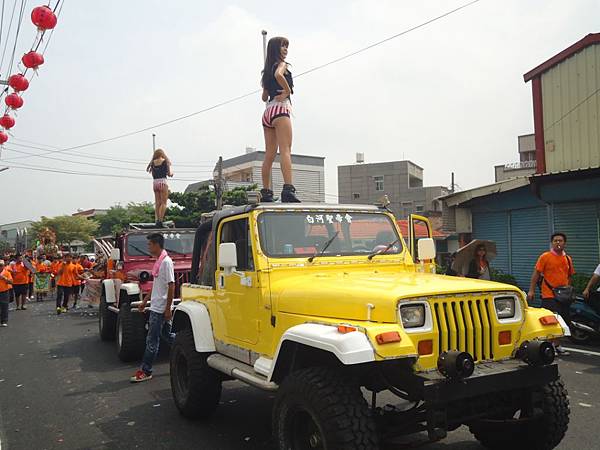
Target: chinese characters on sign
x=328 y=218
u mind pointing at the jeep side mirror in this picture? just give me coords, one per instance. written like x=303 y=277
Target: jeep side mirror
x=228 y=257
x=115 y=254
x=426 y=249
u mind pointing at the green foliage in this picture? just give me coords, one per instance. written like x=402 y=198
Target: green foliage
x=67 y=228
x=4 y=247
x=118 y=217
x=501 y=277
x=580 y=281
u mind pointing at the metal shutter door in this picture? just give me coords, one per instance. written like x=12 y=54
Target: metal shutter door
x=494 y=227
x=579 y=221
x=529 y=239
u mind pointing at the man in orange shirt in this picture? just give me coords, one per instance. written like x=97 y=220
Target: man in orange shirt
x=5 y=286
x=77 y=283
x=20 y=276
x=556 y=268
x=65 y=279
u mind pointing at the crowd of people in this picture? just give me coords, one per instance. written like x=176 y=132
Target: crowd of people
x=26 y=278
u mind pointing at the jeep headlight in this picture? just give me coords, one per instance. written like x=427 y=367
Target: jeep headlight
x=413 y=316
x=505 y=307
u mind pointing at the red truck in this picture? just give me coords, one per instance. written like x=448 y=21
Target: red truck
x=129 y=277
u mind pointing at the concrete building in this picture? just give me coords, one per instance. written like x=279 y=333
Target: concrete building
x=17 y=234
x=526 y=165
x=308 y=173
x=520 y=214
x=402 y=181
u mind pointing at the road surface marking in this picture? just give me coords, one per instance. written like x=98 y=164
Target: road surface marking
x=578 y=350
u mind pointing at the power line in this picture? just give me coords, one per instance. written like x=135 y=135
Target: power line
x=12 y=15
x=256 y=91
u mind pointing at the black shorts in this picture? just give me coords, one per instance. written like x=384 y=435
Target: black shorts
x=20 y=289
x=561 y=309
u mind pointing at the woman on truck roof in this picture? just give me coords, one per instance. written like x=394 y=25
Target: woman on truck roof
x=278 y=85
x=160 y=168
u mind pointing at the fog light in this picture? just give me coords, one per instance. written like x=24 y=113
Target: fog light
x=144 y=276
x=456 y=365
x=537 y=353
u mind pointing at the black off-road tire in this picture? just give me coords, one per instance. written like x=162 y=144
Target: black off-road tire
x=107 y=320
x=322 y=408
x=195 y=386
x=131 y=333
x=543 y=434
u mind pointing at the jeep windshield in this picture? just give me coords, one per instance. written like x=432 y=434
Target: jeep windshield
x=176 y=243
x=304 y=234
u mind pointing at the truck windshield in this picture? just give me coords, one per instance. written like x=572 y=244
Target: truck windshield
x=299 y=234
x=176 y=243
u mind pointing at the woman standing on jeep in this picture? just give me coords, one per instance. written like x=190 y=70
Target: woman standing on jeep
x=278 y=85
x=160 y=168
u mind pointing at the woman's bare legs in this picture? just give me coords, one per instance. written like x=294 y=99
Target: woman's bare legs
x=156 y=205
x=283 y=132
x=270 y=154
x=164 y=197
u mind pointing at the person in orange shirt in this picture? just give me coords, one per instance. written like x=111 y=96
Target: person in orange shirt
x=65 y=279
x=556 y=268
x=5 y=286
x=41 y=279
x=20 y=276
x=55 y=263
x=77 y=281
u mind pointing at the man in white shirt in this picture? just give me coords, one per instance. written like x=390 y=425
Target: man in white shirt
x=593 y=282
x=161 y=298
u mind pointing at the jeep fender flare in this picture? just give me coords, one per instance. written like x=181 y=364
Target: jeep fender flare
x=109 y=290
x=348 y=348
x=130 y=288
x=196 y=314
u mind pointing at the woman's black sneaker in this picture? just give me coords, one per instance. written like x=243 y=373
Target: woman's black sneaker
x=266 y=195
x=159 y=224
x=288 y=194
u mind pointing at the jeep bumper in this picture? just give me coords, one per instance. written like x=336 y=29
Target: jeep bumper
x=488 y=378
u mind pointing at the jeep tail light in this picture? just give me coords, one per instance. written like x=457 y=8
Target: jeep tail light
x=504 y=337
x=548 y=320
x=388 y=337
x=345 y=329
x=425 y=347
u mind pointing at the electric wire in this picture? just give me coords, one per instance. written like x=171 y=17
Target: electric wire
x=12 y=15
x=2 y=22
x=256 y=91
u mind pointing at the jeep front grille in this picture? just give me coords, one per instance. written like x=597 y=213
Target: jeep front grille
x=465 y=325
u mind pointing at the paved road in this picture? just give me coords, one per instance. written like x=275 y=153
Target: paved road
x=61 y=387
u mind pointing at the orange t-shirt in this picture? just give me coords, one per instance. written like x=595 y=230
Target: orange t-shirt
x=4 y=286
x=78 y=271
x=42 y=268
x=20 y=274
x=556 y=269
x=55 y=266
x=67 y=277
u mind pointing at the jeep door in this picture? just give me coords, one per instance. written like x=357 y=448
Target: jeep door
x=237 y=294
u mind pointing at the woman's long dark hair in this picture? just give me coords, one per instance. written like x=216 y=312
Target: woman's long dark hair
x=273 y=57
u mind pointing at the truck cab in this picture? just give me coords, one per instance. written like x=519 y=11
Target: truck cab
x=321 y=303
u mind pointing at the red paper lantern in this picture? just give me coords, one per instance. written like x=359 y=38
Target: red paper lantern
x=18 y=82
x=13 y=101
x=32 y=60
x=3 y=137
x=7 y=122
x=43 y=18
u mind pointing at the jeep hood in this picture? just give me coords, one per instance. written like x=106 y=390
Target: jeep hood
x=346 y=295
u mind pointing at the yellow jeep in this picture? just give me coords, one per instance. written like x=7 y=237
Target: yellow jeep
x=326 y=306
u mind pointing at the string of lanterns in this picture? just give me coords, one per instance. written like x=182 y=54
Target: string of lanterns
x=44 y=19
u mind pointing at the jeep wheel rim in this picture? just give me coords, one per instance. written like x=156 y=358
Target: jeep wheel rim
x=305 y=433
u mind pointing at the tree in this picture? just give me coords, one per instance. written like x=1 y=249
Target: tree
x=118 y=217
x=67 y=228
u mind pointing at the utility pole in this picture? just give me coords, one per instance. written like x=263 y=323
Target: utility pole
x=264 y=35
x=153 y=142
x=219 y=184
x=452 y=183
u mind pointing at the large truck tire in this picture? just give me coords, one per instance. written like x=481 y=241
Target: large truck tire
x=196 y=387
x=131 y=332
x=107 y=320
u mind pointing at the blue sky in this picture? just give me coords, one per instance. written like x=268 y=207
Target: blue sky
x=450 y=96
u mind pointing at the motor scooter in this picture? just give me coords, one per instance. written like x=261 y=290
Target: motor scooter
x=585 y=317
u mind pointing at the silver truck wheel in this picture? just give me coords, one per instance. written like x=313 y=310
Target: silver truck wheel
x=107 y=320
x=543 y=432
x=195 y=386
x=319 y=408
x=131 y=333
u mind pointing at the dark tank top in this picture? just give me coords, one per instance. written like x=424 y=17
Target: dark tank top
x=160 y=171
x=273 y=87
